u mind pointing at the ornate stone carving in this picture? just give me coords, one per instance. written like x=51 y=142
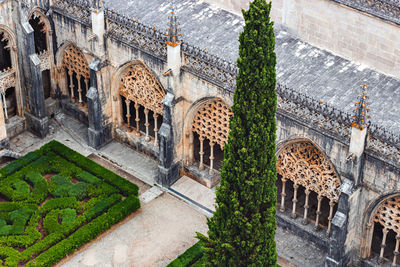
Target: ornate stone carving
x=44 y=57
x=42 y=22
x=78 y=9
x=136 y=34
x=74 y=60
x=384 y=143
x=385 y=9
x=139 y=85
x=212 y=121
x=7 y=79
x=210 y=67
x=388 y=214
x=305 y=165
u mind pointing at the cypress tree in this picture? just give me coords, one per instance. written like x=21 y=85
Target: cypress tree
x=242 y=229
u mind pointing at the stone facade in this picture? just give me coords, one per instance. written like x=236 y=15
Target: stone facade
x=171 y=101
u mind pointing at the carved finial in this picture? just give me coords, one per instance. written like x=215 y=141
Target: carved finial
x=173 y=28
x=360 y=116
x=98 y=4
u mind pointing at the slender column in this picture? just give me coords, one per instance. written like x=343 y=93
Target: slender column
x=3 y=95
x=147 y=124
x=283 y=194
x=201 y=164
x=396 y=250
x=137 y=119
x=87 y=84
x=78 y=77
x=307 y=192
x=128 y=112
x=331 y=206
x=383 y=244
x=370 y=233
x=211 y=158
x=155 y=116
x=71 y=83
x=319 y=198
x=295 y=187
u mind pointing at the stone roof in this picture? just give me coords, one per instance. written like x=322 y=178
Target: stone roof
x=301 y=66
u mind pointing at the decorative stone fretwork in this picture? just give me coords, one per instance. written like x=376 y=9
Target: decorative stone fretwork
x=314 y=113
x=75 y=62
x=136 y=34
x=214 y=69
x=44 y=57
x=385 y=9
x=212 y=122
x=388 y=215
x=7 y=79
x=139 y=85
x=42 y=22
x=79 y=10
x=305 y=165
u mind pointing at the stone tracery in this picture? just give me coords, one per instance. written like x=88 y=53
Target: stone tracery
x=212 y=122
x=304 y=165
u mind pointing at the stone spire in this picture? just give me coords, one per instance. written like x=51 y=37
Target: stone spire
x=361 y=111
x=173 y=28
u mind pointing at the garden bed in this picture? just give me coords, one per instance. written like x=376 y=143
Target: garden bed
x=53 y=201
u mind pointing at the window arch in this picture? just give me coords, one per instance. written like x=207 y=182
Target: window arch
x=211 y=124
x=307 y=168
x=383 y=231
x=141 y=98
x=78 y=73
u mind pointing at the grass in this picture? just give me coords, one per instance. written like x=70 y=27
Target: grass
x=44 y=219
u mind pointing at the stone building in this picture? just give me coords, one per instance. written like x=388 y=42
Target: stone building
x=167 y=93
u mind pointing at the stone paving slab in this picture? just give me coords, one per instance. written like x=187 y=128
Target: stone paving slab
x=150 y=194
x=161 y=230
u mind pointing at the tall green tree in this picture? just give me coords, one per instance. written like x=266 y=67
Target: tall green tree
x=242 y=229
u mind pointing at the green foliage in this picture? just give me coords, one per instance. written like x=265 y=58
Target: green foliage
x=242 y=230
x=88 y=178
x=61 y=186
x=21 y=187
x=189 y=257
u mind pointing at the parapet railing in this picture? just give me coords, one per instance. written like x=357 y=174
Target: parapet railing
x=77 y=9
x=384 y=143
x=209 y=67
x=136 y=34
x=7 y=78
x=384 y=9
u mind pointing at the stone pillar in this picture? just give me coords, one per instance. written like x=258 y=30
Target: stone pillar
x=336 y=252
x=355 y=158
x=36 y=119
x=4 y=142
x=98 y=135
x=98 y=31
x=168 y=171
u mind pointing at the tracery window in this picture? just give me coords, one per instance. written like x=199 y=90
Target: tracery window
x=211 y=128
x=78 y=74
x=7 y=77
x=141 y=95
x=38 y=23
x=308 y=178
x=385 y=230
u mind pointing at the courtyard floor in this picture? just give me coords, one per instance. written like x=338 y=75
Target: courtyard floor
x=166 y=224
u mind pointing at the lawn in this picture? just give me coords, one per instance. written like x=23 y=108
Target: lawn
x=53 y=201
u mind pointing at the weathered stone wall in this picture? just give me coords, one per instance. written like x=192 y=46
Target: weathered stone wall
x=346 y=32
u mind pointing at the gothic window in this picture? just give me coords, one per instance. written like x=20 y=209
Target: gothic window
x=211 y=128
x=7 y=77
x=386 y=231
x=78 y=74
x=38 y=23
x=141 y=95
x=307 y=177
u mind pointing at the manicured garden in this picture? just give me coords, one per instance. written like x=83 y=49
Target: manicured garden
x=54 y=200
x=193 y=257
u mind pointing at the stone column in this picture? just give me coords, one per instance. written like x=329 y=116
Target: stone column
x=98 y=135
x=98 y=30
x=336 y=253
x=36 y=119
x=168 y=171
x=4 y=142
x=355 y=158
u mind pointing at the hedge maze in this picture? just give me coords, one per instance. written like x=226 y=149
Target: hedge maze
x=54 y=200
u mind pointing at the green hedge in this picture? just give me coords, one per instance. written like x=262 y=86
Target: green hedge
x=189 y=257
x=126 y=187
x=87 y=232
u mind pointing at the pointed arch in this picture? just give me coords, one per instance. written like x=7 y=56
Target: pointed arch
x=138 y=84
x=74 y=60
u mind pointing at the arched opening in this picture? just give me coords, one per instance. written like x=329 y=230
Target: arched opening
x=383 y=232
x=140 y=97
x=77 y=73
x=5 y=55
x=210 y=129
x=40 y=28
x=308 y=180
